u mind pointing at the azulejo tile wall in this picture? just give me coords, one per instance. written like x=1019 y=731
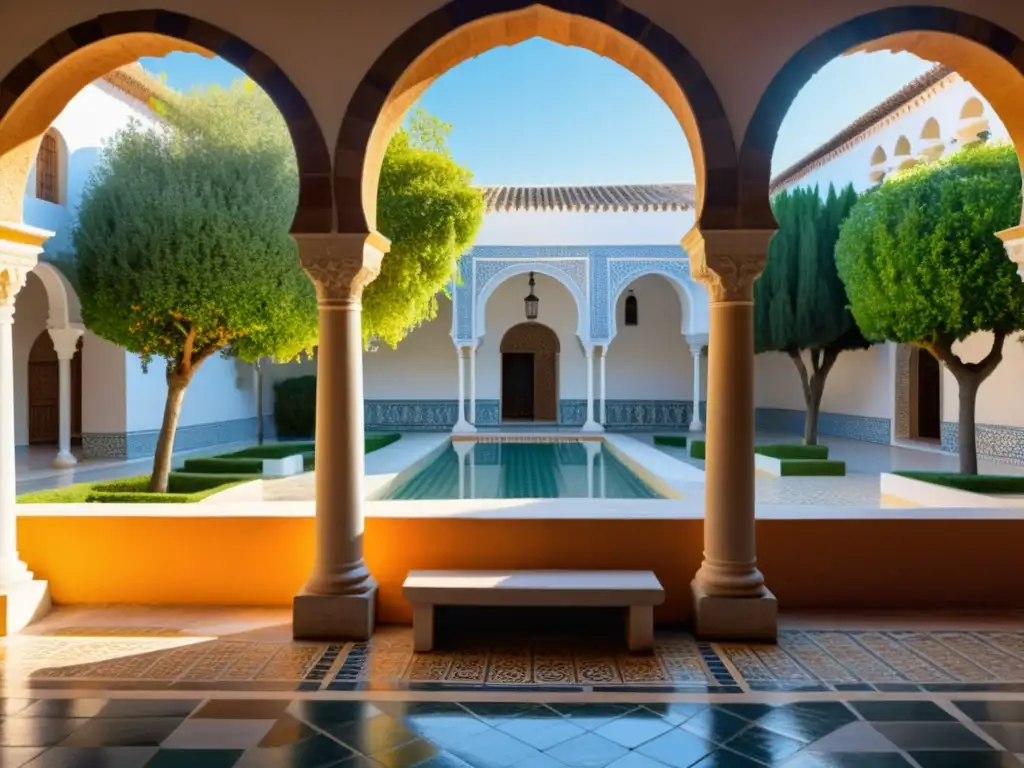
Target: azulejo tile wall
x=993 y=441
x=870 y=429
x=410 y=414
x=646 y=414
x=135 y=445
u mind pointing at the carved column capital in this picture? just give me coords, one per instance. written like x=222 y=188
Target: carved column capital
x=20 y=246
x=728 y=261
x=341 y=265
x=12 y=280
x=65 y=341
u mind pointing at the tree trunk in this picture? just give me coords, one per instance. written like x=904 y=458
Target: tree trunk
x=259 y=402
x=813 y=385
x=969 y=378
x=968 y=384
x=176 y=386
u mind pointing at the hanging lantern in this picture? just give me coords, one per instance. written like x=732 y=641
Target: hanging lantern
x=532 y=302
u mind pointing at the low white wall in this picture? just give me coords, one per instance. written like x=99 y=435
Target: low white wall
x=1001 y=397
x=650 y=360
x=860 y=383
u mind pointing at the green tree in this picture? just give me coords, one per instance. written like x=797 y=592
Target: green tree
x=800 y=303
x=182 y=247
x=922 y=265
x=428 y=208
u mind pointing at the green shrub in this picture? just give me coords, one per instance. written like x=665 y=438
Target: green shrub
x=106 y=497
x=812 y=468
x=376 y=442
x=792 y=451
x=223 y=466
x=697 y=449
x=678 y=441
x=992 y=484
x=295 y=407
x=272 y=451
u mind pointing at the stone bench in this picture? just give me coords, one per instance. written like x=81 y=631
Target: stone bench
x=636 y=591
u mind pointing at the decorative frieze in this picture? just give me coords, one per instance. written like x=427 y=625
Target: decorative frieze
x=137 y=445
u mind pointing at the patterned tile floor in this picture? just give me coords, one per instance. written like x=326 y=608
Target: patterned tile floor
x=119 y=687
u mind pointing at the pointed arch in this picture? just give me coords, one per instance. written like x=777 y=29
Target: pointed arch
x=931 y=130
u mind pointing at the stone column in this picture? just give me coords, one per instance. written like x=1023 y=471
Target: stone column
x=472 y=385
x=22 y=599
x=461 y=424
x=590 y=425
x=730 y=598
x=604 y=387
x=339 y=600
x=696 y=345
x=65 y=344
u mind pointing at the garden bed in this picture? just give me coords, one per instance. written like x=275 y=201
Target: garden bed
x=949 y=490
x=785 y=459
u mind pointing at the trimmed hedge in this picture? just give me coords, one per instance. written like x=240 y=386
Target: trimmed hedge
x=813 y=468
x=677 y=441
x=697 y=449
x=295 y=407
x=223 y=465
x=991 y=484
x=792 y=451
x=272 y=451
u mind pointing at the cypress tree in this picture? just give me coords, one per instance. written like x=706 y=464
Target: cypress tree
x=800 y=302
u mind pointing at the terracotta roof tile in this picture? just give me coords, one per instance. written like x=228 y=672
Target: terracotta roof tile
x=614 y=198
x=136 y=82
x=904 y=95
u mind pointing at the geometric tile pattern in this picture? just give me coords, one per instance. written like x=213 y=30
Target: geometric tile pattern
x=871 y=429
x=935 y=661
x=679 y=664
x=993 y=441
x=133 y=445
x=279 y=733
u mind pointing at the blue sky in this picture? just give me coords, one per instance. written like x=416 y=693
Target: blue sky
x=540 y=113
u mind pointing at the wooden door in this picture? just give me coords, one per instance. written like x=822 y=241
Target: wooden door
x=517 y=385
x=929 y=402
x=43 y=402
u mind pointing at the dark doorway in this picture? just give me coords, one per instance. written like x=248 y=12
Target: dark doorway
x=44 y=393
x=517 y=385
x=929 y=399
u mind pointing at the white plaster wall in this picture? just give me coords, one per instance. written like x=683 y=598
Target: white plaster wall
x=651 y=360
x=608 y=228
x=30 y=312
x=223 y=389
x=423 y=366
x=104 y=399
x=860 y=383
x=853 y=165
x=92 y=117
x=557 y=311
x=1001 y=397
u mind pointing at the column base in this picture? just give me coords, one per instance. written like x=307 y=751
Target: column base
x=463 y=428
x=64 y=461
x=696 y=426
x=734 y=618
x=23 y=603
x=334 y=617
x=592 y=426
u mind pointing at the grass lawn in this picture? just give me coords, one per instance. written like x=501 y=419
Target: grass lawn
x=182 y=488
x=249 y=461
x=994 y=485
